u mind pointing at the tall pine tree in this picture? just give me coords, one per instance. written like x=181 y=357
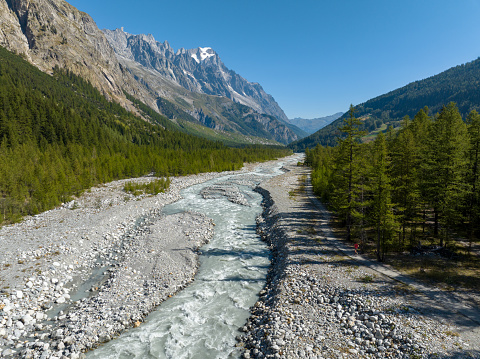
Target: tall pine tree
x=473 y=174
x=445 y=168
x=382 y=206
x=347 y=169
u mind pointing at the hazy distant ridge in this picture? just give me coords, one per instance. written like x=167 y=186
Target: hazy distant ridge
x=312 y=125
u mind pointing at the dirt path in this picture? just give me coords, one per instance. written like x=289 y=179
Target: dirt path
x=465 y=315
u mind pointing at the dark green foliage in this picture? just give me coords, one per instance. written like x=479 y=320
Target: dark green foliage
x=381 y=210
x=59 y=136
x=444 y=165
x=473 y=174
x=172 y=111
x=459 y=84
x=419 y=183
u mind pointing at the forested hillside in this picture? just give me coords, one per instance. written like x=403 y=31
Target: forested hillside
x=460 y=84
x=418 y=185
x=59 y=136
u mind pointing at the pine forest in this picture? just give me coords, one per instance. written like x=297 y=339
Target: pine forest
x=60 y=136
x=415 y=186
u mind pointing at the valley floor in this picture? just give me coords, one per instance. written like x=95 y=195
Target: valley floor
x=77 y=276
x=323 y=301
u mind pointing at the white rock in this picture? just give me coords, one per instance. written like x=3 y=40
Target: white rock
x=19 y=294
x=60 y=300
x=27 y=319
x=7 y=352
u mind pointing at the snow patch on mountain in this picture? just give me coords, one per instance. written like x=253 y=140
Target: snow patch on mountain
x=204 y=53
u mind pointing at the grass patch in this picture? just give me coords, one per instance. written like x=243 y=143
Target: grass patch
x=309 y=230
x=152 y=188
x=452 y=334
x=462 y=271
x=300 y=189
x=367 y=278
x=350 y=269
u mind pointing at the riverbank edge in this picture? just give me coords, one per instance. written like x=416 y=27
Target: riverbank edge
x=274 y=235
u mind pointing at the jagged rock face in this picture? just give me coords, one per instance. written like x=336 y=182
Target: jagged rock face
x=11 y=35
x=53 y=33
x=198 y=70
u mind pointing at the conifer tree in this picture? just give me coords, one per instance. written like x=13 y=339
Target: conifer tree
x=362 y=189
x=404 y=174
x=382 y=207
x=445 y=168
x=473 y=174
x=347 y=169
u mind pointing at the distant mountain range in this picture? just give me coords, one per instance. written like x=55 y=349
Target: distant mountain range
x=198 y=86
x=460 y=84
x=198 y=70
x=312 y=125
x=195 y=85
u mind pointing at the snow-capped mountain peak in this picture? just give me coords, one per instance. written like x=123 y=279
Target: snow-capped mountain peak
x=203 y=53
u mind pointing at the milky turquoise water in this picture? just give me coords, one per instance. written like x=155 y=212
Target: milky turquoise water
x=202 y=320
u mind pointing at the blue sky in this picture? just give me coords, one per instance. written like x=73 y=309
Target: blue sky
x=314 y=57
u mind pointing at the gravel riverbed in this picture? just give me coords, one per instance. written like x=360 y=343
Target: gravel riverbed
x=319 y=303
x=78 y=275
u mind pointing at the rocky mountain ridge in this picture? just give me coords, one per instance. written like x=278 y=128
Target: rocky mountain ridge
x=52 y=33
x=198 y=70
x=187 y=86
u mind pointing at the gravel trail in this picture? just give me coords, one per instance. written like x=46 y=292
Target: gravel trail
x=319 y=303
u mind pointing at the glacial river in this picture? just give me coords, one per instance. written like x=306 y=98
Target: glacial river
x=202 y=320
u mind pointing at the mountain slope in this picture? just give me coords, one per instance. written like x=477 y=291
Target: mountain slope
x=460 y=84
x=162 y=72
x=51 y=33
